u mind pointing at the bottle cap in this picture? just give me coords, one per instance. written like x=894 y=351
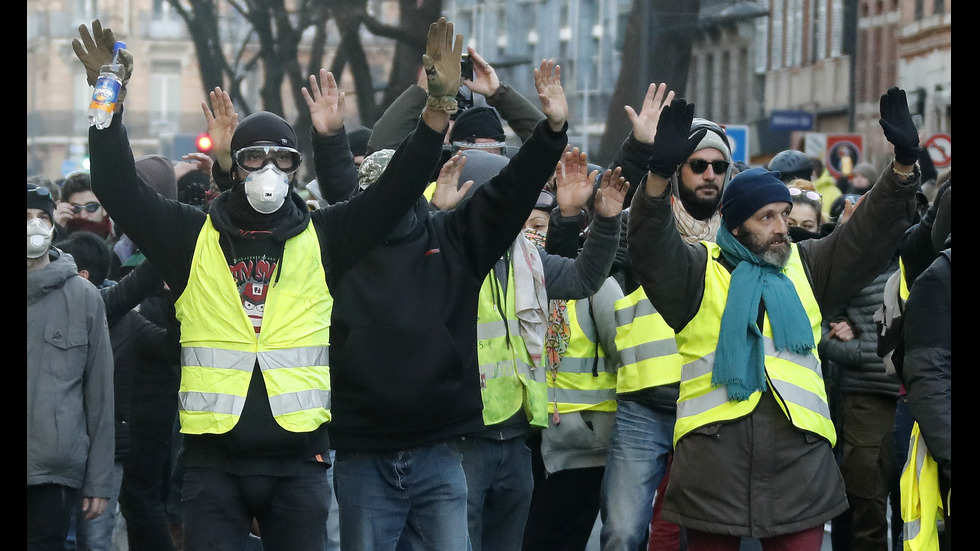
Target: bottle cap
x=120 y=45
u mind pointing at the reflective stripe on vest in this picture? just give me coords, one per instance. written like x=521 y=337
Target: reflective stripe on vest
x=646 y=344
x=508 y=378
x=922 y=504
x=220 y=347
x=796 y=380
x=582 y=382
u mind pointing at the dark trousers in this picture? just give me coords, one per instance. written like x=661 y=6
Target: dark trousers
x=146 y=474
x=49 y=509
x=291 y=511
x=564 y=508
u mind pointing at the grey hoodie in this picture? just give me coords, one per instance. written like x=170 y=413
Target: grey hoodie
x=70 y=429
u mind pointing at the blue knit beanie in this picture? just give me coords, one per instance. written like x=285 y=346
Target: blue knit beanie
x=748 y=192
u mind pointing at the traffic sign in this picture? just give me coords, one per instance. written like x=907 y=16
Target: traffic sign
x=738 y=139
x=841 y=147
x=940 y=148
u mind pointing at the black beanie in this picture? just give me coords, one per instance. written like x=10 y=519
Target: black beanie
x=477 y=122
x=358 y=140
x=749 y=191
x=263 y=127
x=40 y=198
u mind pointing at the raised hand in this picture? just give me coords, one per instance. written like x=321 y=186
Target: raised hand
x=443 y=51
x=673 y=145
x=94 y=49
x=897 y=124
x=485 y=81
x=448 y=192
x=326 y=103
x=573 y=182
x=547 y=80
x=612 y=193
x=645 y=123
x=222 y=123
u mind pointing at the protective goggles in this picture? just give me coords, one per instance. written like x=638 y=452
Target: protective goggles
x=40 y=191
x=546 y=201
x=698 y=166
x=89 y=207
x=811 y=195
x=255 y=157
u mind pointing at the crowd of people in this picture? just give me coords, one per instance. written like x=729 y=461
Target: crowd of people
x=445 y=341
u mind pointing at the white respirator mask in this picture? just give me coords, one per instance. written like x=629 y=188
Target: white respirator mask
x=39 y=235
x=267 y=188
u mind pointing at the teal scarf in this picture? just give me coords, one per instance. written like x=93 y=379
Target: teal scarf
x=740 y=358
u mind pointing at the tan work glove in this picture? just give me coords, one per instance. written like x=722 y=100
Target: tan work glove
x=441 y=62
x=95 y=50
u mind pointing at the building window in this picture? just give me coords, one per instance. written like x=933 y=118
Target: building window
x=165 y=96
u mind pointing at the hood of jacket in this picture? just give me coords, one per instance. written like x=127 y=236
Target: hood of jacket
x=52 y=277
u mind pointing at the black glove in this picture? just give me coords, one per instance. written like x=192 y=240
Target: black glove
x=898 y=127
x=672 y=145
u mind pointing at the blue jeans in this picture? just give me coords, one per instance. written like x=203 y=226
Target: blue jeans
x=96 y=534
x=639 y=444
x=500 y=482
x=331 y=541
x=381 y=493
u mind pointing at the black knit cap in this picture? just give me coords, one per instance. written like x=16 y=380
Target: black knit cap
x=477 y=122
x=749 y=191
x=263 y=127
x=358 y=140
x=40 y=198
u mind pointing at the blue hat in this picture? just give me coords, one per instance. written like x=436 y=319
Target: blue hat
x=748 y=192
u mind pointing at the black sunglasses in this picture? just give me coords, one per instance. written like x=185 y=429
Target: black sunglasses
x=90 y=207
x=698 y=166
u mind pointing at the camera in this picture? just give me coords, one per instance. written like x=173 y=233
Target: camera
x=464 y=96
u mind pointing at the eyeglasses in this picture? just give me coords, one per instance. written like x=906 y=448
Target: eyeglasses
x=89 y=207
x=811 y=195
x=255 y=157
x=698 y=166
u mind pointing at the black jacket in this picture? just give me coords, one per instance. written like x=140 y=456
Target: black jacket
x=402 y=341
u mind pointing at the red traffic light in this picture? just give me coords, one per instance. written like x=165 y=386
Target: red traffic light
x=203 y=143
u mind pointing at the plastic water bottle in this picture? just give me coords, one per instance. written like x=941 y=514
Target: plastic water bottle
x=106 y=90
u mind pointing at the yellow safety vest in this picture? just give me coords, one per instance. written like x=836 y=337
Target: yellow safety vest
x=508 y=378
x=922 y=505
x=646 y=345
x=582 y=382
x=795 y=380
x=219 y=346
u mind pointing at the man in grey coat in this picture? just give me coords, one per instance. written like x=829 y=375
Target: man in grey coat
x=70 y=421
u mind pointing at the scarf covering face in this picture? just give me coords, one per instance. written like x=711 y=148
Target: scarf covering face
x=740 y=356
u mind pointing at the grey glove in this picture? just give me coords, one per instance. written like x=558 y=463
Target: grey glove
x=442 y=65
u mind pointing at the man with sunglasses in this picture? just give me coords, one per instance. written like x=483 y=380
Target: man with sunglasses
x=80 y=209
x=753 y=436
x=647 y=389
x=253 y=279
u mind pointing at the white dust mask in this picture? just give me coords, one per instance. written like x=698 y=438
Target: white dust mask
x=39 y=235
x=267 y=188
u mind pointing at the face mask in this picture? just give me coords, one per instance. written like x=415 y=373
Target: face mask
x=266 y=189
x=39 y=235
